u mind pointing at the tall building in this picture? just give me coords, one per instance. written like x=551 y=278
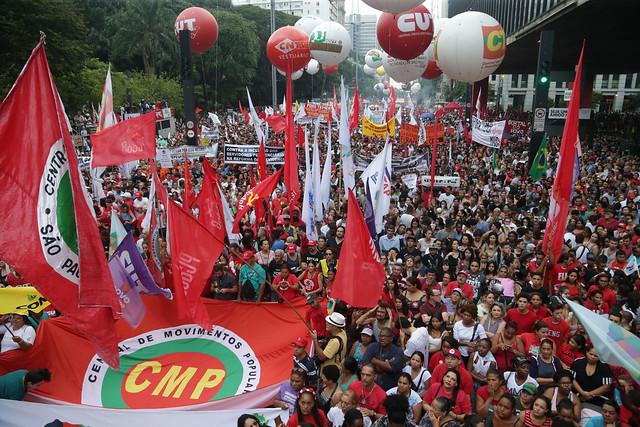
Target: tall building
x=362 y=29
x=328 y=10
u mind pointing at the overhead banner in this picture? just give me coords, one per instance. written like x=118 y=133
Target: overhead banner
x=248 y=154
x=435 y=133
x=378 y=131
x=399 y=165
x=165 y=363
x=18 y=414
x=21 y=300
x=487 y=133
x=409 y=133
x=166 y=156
x=441 y=181
x=313 y=110
x=561 y=113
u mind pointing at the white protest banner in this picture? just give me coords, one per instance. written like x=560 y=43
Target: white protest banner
x=441 y=181
x=487 y=133
x=410 y=180
x=194 y=152
x=561 y=113
x=248 y=154
x=163 y=157
x=84 y=162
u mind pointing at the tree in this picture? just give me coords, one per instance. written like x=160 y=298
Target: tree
x=455 y=91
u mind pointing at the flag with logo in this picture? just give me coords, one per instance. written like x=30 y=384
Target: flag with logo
x=539 y=165
x=106 y=117
x=291 y=178
x=209 y=203
x=631 y=266
x=325 y=180
x=125 y=142
x=52 y=239
x=377 y=186
x=358 y=259
x=130 y=302
x=261 y=192
x=21 y=300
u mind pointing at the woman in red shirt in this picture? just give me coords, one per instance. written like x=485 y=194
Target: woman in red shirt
x=306 y=410
x=531 y=340
x=488 y=395
x=449 y=387
x=311 y=280
x=572 y=350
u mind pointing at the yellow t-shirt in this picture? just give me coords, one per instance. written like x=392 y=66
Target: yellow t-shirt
x=335 y=350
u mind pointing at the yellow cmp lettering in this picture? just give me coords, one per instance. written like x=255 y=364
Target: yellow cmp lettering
x=210 y=379
x=131 y=385
x=174 y=382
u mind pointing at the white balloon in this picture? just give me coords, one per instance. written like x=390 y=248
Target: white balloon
x=330 y=43
x=415 y=88
x=308 y=23
x=404 y=71
x=393 y=6
x=378 y=87
x=386 y=91
x=368 y=70
x=297 y=75
x=470 y=47
x=373 y=58
x=312 y=67
x=438 y=25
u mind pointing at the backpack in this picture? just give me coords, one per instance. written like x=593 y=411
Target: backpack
x=248 y=292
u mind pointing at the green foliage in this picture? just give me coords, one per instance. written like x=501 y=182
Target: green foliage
x=456 y=91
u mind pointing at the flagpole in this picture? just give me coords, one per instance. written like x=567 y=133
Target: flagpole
x=9 y=330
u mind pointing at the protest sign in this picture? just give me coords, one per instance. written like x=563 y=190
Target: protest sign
x=248 y=154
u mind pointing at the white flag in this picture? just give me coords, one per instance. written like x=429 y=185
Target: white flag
x=257 y=123
x=315 y=177
x=377 y=183
x=346 y=156
x=146 y=221
x=307 y=201
x=325 y=182
x=214 y=119
x=631 y=266
x=228 y=218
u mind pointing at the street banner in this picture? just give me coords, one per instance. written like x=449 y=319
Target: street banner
x=410 y=180
x=441 y=181
x=378 y=131
x=434 y=134
x=165 y=363
x=517 y=128
x=21 y=300
x=163 y=157
x=166 y=156
x=399 y=165
x=561 y=113
x=485 y=133
x=248 y=154
x=314 y=109
x=409 y=133
x=16 y=413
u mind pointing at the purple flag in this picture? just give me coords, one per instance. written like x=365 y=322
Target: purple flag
x=133 y=309
x=139 y=275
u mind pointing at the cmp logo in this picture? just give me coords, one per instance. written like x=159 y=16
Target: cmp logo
x=173 y=367
x=56 y=218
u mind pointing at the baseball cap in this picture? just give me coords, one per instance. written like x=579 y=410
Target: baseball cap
x=458 y=290
x=463 y=272
x=300 y=342
x=291 y=247
x=530 y=388
x=453 y=352
x=367 y=331
x=126 y=195
x=312 y=243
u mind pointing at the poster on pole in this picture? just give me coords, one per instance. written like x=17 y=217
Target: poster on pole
x=248 y=154
x=441 y=181
x=485 y=133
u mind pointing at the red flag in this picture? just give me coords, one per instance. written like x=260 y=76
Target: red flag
x=188 y=194
x=260 y=192
x=291 y=179
x=354 y=120
x=210 y=204
x=277 y=123
x=262 y=162
x=52 y=239
x=154 y=238
x=300 y=135
x=193 y=252
x=336 y=106
x=129 y=140
x=247 y=118
x=360 y=277
x=563 y=183
x=391 y=112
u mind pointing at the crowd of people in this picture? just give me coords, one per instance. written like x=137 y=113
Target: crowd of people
x=471 y=327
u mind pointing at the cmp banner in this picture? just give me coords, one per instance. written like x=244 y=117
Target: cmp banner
x=248 y=154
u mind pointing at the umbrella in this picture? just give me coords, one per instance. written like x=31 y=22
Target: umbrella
x=427 y=115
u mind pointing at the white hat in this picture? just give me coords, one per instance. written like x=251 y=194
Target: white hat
x=126 y=195
x=336 y=319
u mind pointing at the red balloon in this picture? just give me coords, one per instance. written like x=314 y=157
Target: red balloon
x=288 y=47
x=432 y=70
x=202 y=25
x=330 y=69
x=407 y=34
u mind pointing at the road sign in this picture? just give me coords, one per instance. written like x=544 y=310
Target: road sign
x=538 y=119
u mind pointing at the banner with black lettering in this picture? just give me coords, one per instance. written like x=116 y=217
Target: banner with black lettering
x=400 y=165
x=487 y=133
x=248 y=154
x=21 y=300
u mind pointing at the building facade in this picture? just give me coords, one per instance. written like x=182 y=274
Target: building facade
x=362 y=29
x=328 y=10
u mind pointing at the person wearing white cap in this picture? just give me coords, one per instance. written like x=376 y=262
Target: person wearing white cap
x=335 y=350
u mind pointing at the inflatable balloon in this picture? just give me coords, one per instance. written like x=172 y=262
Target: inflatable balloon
x=470 y=47
x=380 y=71
x=368 y=70
x=330 y=43
x=432 y=70
x=297 y=75
x=407 y=34
x=378 y=87
x=373 y=58
x=330 y=69
x=202 y=25
x=415 y=88
x=404 y=71
x=288 y=48
x=393 y=6
x=312 y=67
x=308 y=23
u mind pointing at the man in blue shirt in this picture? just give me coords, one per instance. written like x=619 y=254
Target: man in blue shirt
x=387 y=358
x=389 y=240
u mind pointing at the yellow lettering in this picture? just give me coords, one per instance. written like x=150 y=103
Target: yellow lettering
x=210 y=379
x=173 y=380
x=131 y=386
x=495 y=40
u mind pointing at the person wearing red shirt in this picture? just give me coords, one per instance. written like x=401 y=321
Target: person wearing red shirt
x=460 y=282
x=558 y=327
x=602 y=281
x=449 y=387
x=608 y=221
x=453 y=360
x=559 y=271
x=522 y=316
x=535 y=264
x=316 y=316
x=370 y=395
x=531 y=340
x=286 y=284
x=541 y=311
x=620 y=262
x=572 y=350
x=307 y=411
x=489 y=394
x=595 y=302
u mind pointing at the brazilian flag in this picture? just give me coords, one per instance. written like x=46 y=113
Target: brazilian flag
x=539 y=165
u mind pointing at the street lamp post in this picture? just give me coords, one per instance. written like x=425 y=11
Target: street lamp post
x=274 y=91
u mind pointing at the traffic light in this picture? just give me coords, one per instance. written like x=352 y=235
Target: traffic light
x=545 y=55
x=544 y=72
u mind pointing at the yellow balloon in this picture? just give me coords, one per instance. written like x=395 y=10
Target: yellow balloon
x=380 y=71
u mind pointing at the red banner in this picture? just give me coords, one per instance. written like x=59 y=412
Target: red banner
x=517 y=128
x=435 y=133
x=409 y=134
x=314 y=110
x=132 y=139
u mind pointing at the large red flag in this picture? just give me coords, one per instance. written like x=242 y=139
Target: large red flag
x=354 y=120
x=391 y=112
x=244 y=113
x=563 y=182
x=360 y=277
x=193 y=252
x=256 y=195
x=210 y=205
x=277 y=122
x=48 y=232
x=262 y=162
x=291 y=179
x=129 y=140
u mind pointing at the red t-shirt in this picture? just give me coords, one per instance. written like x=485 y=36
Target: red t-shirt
x=294 y=422
x=531 y=343
x=285 y=286
x=524 y=321
x=466 y=380
x=467 y=289
x=463 y=404
x=317 y=316
x=541 y=312
x=602 y=309
x=435 y=360
x=483 y=392
x=558 y=275
x=310 y=284
x=370 y=399
x=558 y=332
x=567 y=355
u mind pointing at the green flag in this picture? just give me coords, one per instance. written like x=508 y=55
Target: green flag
x=539 y=165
